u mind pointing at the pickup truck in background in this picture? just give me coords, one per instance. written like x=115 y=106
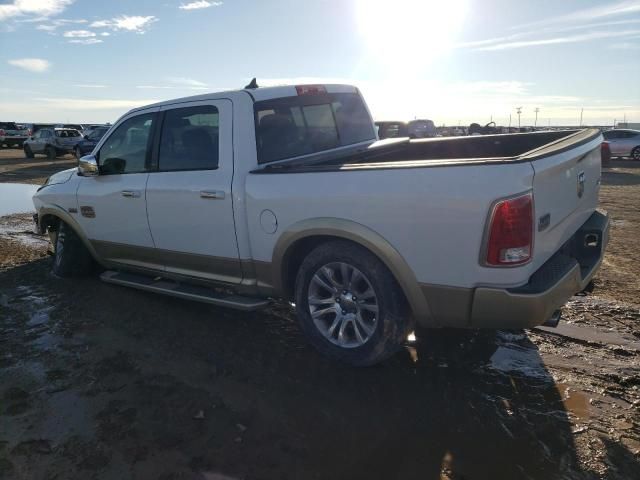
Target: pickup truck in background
x=235 y=198
x=12 y=135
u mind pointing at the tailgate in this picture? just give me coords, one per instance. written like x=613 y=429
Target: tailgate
x=566 y=185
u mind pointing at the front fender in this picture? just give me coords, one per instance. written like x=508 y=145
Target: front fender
x=48 y=211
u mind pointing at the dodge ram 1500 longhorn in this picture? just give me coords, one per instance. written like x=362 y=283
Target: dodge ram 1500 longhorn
x=238 y=197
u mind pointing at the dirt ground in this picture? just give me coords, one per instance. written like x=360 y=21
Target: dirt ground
x=15 y=168
x=99 y=381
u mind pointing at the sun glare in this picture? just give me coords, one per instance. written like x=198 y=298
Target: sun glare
x=409 y=32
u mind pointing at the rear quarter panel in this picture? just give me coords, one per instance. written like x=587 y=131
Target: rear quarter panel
x=434 y=217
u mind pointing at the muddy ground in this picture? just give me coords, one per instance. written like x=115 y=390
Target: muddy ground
x=100 y=381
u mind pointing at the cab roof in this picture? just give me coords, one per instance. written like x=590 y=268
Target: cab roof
x=257 y=94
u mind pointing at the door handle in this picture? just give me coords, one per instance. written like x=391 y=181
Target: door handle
x=214 y=194
x=130 y=193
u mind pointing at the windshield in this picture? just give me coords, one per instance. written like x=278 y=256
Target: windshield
x=8 y=126
x=97 y=133
x=305 y=124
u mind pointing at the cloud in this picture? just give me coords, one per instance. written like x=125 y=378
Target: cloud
x=79 y=34
x=89 y=85
x=199 y=4
x=552 y=31
x=86 y=41
x=135 y=23
x=589 y=14
x=63 y=104
x=584 y=37
x=180 y=83
x=36 y=65
x=37 y=8
x=189 y=82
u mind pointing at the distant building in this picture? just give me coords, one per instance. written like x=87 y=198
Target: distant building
x=633 y=126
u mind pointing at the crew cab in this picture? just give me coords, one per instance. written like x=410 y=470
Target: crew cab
x=236 y=198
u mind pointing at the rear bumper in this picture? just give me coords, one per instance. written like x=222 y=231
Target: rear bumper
x=569 y=271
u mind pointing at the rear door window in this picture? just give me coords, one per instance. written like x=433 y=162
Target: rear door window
x=189 y=139
x=294 y=126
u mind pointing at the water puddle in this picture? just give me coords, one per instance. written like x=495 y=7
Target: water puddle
x=21 y=228
x=16 y=198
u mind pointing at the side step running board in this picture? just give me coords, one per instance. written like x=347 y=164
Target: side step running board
x=182 y=290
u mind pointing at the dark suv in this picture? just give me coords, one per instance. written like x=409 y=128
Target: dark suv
x=53 y=142
x=89 y=141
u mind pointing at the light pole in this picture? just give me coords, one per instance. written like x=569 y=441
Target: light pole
x=581 y=112
x=519 y=112
x=536 y=121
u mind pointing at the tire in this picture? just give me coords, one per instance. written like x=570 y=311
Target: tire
x=357 y=331
x=635 y=153
x=27 y=152
x=71 y=258
x=51 y=153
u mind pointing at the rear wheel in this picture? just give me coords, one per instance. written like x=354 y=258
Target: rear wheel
x=349 y=305
x=635 y=153
x=71 y=257
x=27 y=151
x=51 y=153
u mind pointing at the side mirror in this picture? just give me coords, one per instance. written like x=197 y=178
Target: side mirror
x=88 y=166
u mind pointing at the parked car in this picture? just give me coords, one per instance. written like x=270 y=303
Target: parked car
x=422 y=129
x=89 y=141
x=52 y=142
x=73 y=126
x=391 y=129
x=12 y=135
x=32 y=128
x=624 y=142
x=285 y=192
x=89 y=128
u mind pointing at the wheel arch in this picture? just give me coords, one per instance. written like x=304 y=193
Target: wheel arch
x=299 y=239
x=51 y=215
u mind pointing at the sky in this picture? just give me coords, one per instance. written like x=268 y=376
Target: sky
x=455 y=62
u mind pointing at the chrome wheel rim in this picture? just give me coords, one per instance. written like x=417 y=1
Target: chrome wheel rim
x=343 y=304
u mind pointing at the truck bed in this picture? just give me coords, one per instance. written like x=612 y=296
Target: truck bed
x=449 y=151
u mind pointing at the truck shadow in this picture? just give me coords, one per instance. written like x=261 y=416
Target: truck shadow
x=196 y=389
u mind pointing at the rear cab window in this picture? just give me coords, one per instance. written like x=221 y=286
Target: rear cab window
x=306 y=124
x=67 y=133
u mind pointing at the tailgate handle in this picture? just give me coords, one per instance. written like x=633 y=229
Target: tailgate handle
x=214 y=194
x=130 y=193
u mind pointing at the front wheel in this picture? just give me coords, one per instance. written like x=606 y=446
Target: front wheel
x=635 y=153
x=51 y=153
x=28 y=152
x=349 y=305
x=71 y=257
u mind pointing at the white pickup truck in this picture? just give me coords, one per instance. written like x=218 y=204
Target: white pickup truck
x=237 y=197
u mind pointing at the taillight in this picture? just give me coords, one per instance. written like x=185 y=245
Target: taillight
x=605 y=153
x=1 y=132
x=311 y=89
x=510 y=237
x=29 y=132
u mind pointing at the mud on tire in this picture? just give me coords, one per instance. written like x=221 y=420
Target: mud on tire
x=387 y=333
x=71 y=258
